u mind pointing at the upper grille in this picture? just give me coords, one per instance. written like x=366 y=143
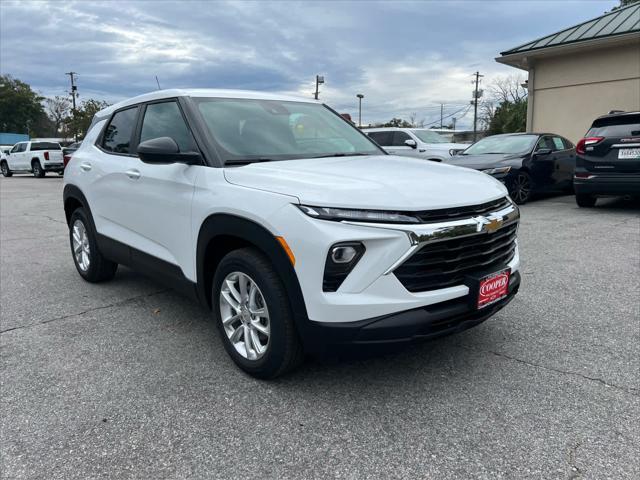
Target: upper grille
x=446 y=263
x=445 y=214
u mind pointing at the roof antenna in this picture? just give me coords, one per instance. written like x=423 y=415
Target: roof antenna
x=158 y=82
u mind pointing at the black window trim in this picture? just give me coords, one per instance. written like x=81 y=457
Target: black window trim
x=176 y=100
x=135 y=134
x=98 y=142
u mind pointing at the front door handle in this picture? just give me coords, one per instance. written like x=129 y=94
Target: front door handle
x=133 y=174
x=85 y=166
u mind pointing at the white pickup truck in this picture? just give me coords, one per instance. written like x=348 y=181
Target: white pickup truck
x=33 y=157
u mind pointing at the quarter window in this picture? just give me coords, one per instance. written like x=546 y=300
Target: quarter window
x=165 y=120
x=117 y=136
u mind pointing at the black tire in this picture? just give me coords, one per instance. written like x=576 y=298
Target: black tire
x=4 y=167
x=584 y=200
x=99 y=269
x=284 y=350
x=37 y=169
x=520 y=188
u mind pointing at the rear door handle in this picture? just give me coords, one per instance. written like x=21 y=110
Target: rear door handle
x=133 y=174
x=85 y=166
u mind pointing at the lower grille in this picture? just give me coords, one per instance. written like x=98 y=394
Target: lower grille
x=445 y=264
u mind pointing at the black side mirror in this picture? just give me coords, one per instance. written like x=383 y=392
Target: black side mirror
x=410 y=143
x=165 y=150
x=542 y=152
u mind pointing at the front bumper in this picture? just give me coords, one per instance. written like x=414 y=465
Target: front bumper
x=389 y=331
x=608 y=184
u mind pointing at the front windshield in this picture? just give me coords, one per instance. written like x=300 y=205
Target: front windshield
x=429 y=137
x=504 y=144
x=248 y=130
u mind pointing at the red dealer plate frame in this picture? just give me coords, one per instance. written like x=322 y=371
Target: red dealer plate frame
x=493 y=288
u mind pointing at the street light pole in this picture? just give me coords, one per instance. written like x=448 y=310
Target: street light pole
x=360 y=97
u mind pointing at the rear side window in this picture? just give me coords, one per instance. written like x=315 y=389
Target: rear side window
x=165 y=120
x=38 y=146
x=117 y=136
x=384 y=139
x=399 y=139
x=622 y=126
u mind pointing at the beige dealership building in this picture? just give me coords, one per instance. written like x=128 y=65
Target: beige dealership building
x=581 y=73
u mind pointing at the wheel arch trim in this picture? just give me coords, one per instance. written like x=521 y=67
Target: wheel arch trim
x=225 y=225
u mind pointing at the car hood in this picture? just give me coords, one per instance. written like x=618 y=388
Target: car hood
x=481 y=162
x=380 y=182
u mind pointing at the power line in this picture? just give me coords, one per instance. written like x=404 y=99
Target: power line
x=467 y=107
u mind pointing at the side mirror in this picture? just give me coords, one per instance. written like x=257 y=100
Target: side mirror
x=164 y=150
x=543 y=151
x=410 y=143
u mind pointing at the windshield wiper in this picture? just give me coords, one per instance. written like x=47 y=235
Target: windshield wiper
x=246 y=161
x=343 y=155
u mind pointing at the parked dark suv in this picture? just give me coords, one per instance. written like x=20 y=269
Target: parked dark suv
x=608 y=158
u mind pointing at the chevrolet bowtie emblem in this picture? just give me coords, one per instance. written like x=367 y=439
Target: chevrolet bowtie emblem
x=489 y=225
x=493 y=225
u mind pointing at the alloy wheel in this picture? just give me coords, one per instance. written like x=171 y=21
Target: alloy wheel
x=81 y=250
x=521 y=188
x=245 y=316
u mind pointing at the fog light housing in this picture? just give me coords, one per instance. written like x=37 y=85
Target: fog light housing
x=341 y=259
x=343 y=254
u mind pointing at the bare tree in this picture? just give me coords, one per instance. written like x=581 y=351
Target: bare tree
x=58 y=110
x=507 y=89
x=413 y=120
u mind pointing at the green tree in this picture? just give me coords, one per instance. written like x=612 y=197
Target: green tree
x=509 y=117
x=21 y=109
x=80 y=122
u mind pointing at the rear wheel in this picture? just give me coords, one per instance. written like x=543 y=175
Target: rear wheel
x=90 y=263
x=5 y=169
x=253 y=315
x=585 y=200
x=521 y=186
x=37 y=169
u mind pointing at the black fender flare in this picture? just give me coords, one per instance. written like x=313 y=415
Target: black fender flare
x=219 y=225
x=71 y=192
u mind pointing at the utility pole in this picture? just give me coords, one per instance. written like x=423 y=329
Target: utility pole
x=360 y=97
x=74 y=93
x=441 y=114
x=476 y=96
x=319 y=81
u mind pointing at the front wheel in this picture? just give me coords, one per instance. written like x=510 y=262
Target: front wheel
x=88 y=259
x=5 y=169
x=253 y=315
x=38 y=171
x=585 y=200
x=521 y=187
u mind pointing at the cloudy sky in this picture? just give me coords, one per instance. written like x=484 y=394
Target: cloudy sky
x=404 y=56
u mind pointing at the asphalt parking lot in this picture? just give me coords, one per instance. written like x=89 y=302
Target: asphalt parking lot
x=129 y=380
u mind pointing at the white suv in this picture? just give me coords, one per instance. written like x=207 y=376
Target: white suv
x=415 y=142
x=295 y=229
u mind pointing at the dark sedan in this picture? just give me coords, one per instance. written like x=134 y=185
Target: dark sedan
x=527 y=163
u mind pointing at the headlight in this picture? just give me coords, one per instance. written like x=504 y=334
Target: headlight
x=339 y=214
x=496 y=171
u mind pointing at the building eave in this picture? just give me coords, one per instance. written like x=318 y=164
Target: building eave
x=524 y=59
